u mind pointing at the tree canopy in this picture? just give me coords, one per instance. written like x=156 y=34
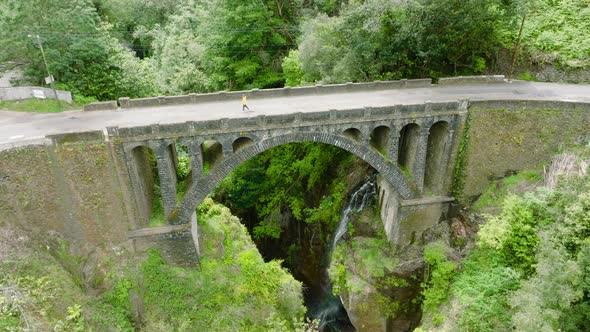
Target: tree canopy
x=107 y=49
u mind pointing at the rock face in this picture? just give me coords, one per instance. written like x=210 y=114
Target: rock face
x=385 y=303
x=567 y=75
x=361 y=306
x=380 y=285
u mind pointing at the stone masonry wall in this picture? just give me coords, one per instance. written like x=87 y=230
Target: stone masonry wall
x=70 y=188
x=79 y=184
x=26 y=183
x=510 y=136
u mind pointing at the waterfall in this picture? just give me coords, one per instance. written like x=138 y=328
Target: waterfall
x=358 y=201
x=331 y=312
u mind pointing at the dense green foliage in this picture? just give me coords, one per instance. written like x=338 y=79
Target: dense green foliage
x=234 y=290
x=250 y=40
x=530 y=269
x=556 y=32
x=298 y=180
x=482 y=287
x=376 y=39
x=440 y=272
x=80 y=52
x=106 y=49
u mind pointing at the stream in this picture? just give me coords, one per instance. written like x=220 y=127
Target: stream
x=322 y=304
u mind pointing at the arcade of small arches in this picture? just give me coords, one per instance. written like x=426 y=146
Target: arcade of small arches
x=410 y=154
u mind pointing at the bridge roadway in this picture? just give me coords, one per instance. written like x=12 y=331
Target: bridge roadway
x=18 y=128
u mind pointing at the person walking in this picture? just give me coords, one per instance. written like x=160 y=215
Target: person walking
x=244 y=103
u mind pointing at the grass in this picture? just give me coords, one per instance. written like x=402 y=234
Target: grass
x=527 y=76
x=558 y=30
x=38 y=106
x=494 y=195
x=234 y=290
x=482 y=288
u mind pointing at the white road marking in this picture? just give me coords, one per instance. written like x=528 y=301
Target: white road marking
x=17 y=136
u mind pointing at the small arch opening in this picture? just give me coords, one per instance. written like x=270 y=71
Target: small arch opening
x=380 y=138
x=437 y=143
x=353 y=133
x=409 y=138
x=212 y=154
x=148 y=180
x=183 y=169
x=241 y=143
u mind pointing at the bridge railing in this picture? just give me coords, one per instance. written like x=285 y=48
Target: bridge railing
x=125 y=103
x=128 y=103
x=29 y=92
x=319 y=89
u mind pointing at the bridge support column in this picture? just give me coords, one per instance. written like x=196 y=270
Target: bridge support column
x=140 y=178
x=228 y=151
x=195 y=233
x=196 y=155
x=167 y=174
x=393 y=150
x=445 y=162
x=405 y=220
x=420 y=163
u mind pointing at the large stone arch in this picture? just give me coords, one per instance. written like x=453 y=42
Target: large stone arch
x=204 y=185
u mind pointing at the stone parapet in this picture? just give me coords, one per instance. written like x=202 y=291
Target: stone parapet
x=101 y=106
x=531 y=103
x=318 y=89
x=28 y=92
x=466 y=80
x=84 y=136
x=287 y=121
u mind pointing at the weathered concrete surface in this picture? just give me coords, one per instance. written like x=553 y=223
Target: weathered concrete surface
x=9 y=75
x=101 y=106
x=15 y=126
x=462 y=80
x=507 y=137
x=317 y=89
x=71 y=188
x=81 y=184
x=177 y=247
x=404 y=221
x=28 y=92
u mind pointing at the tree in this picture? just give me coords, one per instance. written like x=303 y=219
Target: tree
x=132 y=20
x=383 y=39
x=543 y=299
x=292 y=69
x=458 y=36
x=80 y=53
x=179 y=52
x=245 y=42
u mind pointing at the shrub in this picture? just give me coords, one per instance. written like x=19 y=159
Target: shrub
x=438 y=277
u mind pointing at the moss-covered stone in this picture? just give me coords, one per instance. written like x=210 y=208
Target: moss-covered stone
x=505 y=140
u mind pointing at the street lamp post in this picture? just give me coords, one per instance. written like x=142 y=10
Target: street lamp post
x=49 y=77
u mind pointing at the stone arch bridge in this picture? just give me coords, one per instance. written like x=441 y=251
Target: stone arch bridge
x=411 y=147
x=89 y=175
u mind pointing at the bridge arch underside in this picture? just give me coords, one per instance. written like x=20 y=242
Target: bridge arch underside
x=203 y=186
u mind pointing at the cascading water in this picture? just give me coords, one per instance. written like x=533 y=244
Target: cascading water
x=330 y=310
x=358 y=202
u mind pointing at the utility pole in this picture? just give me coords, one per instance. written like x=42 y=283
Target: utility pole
x=49 y=77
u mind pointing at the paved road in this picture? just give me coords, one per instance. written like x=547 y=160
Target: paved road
x=17 y=127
